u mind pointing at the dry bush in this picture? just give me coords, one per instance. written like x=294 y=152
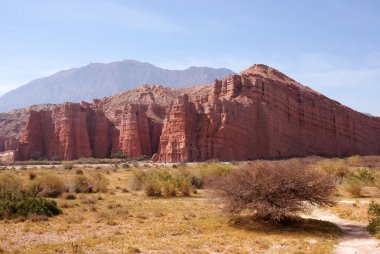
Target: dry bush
x=11 y=187
x=32 y=175
x=353 y=188
x=79 y=172
x=92 y=182
x=49 y=186
x=272 y=191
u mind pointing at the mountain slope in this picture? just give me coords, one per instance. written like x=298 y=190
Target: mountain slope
x=99 y=80
x=259 y=113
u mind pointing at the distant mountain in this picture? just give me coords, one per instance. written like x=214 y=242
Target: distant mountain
x=98 y=80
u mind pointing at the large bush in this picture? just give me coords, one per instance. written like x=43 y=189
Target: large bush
x=272 y=191
x=16 y=200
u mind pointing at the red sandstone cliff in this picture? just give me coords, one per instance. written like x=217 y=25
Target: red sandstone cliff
x=68 y=132
x=260 y=113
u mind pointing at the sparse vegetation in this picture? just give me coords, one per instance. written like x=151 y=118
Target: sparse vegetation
x=18 y=201
x=93 y=222
x=162 y=183
x=374 y=218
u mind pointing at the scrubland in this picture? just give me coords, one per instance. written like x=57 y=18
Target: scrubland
x=147 y=208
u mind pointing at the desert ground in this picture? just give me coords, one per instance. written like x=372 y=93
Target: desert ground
x=120 y=215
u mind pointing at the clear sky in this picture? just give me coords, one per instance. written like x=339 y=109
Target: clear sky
x=332 y=46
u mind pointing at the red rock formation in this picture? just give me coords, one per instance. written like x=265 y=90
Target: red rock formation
x=69 y=132
x=13 y=123
x=178 y=138
x=260 y=113
x=134 y=132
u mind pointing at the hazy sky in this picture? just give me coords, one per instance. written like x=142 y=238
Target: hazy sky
x=332 y=46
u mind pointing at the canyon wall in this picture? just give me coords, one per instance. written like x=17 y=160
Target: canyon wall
x=260 y=113
x=68 y=132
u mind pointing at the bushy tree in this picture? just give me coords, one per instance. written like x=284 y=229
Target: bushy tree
x=272 y=191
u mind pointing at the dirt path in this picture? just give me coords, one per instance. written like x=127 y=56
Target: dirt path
x=355 y=238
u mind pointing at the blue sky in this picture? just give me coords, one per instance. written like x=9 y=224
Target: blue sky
x=331 y=46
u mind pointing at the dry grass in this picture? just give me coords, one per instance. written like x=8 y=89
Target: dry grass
x=355 y=210
x=120 y=221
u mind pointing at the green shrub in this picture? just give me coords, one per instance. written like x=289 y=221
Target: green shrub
x=355 y=181
x=363 y=175
x=18 y=201
x=374 y=218
x=161 y=183
x=28 y=206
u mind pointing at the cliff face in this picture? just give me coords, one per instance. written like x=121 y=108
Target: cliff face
x=260 y=113
x=13 y=123
x=134 y=132
x=68 y=132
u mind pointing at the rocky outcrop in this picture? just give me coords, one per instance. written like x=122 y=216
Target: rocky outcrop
x=68 y=132
x=134 y=132
x=260 y=113
x=178 y=138
x=13 y=123
x=7 y=156
x=8 y=143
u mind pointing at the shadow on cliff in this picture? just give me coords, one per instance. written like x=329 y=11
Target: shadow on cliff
x=295 y=226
